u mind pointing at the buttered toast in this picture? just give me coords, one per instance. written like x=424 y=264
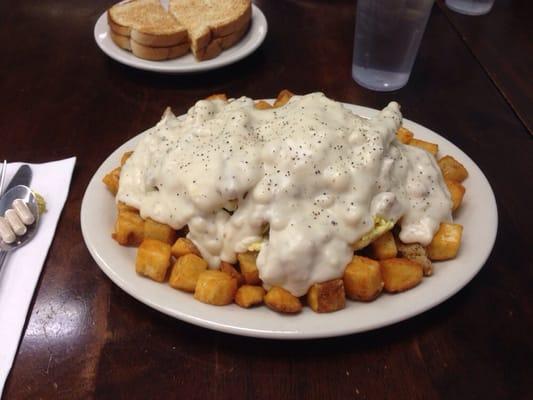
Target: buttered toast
x=145 y=28
x=206 y=27
x=213 y=25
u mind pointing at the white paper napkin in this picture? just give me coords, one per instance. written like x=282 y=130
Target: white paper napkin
x=23 y=267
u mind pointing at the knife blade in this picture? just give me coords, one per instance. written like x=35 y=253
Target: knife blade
x=22 y=177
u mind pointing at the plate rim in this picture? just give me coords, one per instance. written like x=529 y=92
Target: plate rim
x=258 y=27
x=414 y=310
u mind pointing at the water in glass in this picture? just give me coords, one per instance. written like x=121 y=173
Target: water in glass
x=387 y=37
x=470 y=7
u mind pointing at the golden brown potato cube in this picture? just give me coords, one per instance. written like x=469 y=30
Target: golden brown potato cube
x=215 y=287
x=452 y=169
x=326 y=296
x=158 y=231
x=262 y=105
x=384 y=246
x=248 y=267
x=431 y=147
x=184 y=246
x=283 y=98
x=417 y=253
x=111 y=180
x=446 y=242
x=121 y=207
x=400 y=274
x=457 y=191
x=362 y=279
x=248 y=295
x=125 y=157
x=404 y=135
x=230 y=270
x=218 y=96
x=129 y=228
x=281 y=300
x=186 y=271
x=153 y=259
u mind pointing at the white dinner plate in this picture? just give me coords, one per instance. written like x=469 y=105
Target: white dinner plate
x=186 y=64
x=478 y=215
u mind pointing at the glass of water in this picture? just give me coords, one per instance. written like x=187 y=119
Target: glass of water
x=470 y=7
x=387 y=37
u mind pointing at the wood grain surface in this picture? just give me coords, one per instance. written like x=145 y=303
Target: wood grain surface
x=502 y=42
x=86 y=338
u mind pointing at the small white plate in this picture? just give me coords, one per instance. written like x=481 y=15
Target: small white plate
x=186 y=64
x=478 y=215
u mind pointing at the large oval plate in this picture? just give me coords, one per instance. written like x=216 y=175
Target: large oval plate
x=186 y=64
x=478 y=215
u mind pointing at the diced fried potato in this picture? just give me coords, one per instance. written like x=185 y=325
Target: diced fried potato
x=125 y=157
x=129 y=228
x=326 y=296
x=121 y=207
x=281 y=300
x=230 y=270
x=218 y=96
x=400 y=274
x=417 y=253
x=404 y=135
x=184 y=246
x=457 y=191
x=431 y=147
x=158 y=231
x=452 y=169
x=111 y=180
x=262 y=105
x=362 y=279
x=215 y=287
x=186 y=271
x=384 y=246
x=283 y=98
x=153 y=259
x=248 y=295
x=446 y=242
x=248 y=267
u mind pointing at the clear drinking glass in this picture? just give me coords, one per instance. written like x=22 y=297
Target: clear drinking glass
x=387 y=37
x=470 y=7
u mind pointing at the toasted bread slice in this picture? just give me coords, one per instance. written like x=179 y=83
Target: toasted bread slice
x=120 y=40
x=214 y=48
x=209 y=21
x=147 y=52
x=159 y=53
x=147 y=23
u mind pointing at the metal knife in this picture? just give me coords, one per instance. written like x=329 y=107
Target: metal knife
x=22 y=177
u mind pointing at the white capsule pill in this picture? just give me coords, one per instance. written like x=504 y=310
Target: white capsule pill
x=23 y=211
x=16 y=224
x=6 y=232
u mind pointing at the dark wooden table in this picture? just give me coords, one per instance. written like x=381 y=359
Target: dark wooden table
x=86 y=338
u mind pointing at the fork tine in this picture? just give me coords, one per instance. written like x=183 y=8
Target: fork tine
x=3 y=177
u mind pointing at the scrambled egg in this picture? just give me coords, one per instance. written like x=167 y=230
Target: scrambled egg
x=381 y=225
x=255 y=246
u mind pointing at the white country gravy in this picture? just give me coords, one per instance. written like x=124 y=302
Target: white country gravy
x=308 y=177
